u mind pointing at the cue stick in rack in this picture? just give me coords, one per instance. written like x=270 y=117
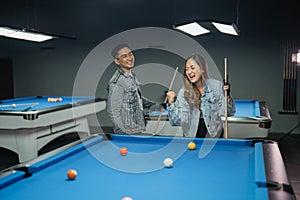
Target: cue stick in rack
x=165 y=101
x=226 y=106
x=294 y=81
x=284 y=79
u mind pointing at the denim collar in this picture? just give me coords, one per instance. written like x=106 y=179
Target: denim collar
x=126 y=74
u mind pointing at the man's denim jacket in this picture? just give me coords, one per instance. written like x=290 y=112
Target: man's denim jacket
x=212 y=106
x=125 y=103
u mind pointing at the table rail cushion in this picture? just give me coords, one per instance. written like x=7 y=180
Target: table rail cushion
x=11 y=178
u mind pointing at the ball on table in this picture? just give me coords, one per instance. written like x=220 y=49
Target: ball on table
x=14 y=105
x=168 y=162
x=72 y=173
x=192 y=145
x=123 y=151
x=127 y=198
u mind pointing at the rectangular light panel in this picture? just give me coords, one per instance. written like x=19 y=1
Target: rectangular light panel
x=225 y=28
x=192 y=29
x=23 y=35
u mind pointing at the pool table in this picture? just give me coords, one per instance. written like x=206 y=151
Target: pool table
x=251 y=120
x=28 y=124
x=216 y=169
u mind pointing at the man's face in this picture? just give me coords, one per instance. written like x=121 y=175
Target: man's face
x=125 y=59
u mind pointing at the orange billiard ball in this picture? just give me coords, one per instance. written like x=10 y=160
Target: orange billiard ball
x=192 y=145
x=72 y=173
x=123 y=151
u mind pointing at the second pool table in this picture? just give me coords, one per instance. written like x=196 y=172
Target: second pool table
x=28 y=124
x=251 y=120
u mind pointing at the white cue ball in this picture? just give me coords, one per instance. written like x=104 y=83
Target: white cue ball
x=14 y=105
x=168 y=162
x=127 y=198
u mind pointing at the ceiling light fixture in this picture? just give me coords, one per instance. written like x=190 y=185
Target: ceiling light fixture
x=226 y=28
x=193 y=28
x=206 y=26
x=24 y=34
x=203 y=26
x=29 y=35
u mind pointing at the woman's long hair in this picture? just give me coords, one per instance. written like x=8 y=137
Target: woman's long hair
x=191 y=92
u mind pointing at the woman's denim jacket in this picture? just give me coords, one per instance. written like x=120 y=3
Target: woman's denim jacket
x=125 y=103
x=212 y=106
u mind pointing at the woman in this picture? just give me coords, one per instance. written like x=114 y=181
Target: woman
x=200 y=104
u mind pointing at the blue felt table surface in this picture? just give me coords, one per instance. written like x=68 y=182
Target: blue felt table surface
x=244 y=108
x=227 y=172
x=42 y=102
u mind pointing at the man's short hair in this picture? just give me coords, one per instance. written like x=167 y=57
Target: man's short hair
x=115 y=51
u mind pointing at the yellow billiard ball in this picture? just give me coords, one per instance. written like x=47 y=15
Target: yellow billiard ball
x=192 y=145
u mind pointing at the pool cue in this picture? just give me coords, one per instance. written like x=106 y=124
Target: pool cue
x=294 y=88
x=284 y=103
x=288 y=78
x=31 y=106
x=165 y=101
x=226 y=106
x=294 y=80
x=18 y=105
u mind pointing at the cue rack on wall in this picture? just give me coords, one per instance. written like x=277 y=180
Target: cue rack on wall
x=290 y=78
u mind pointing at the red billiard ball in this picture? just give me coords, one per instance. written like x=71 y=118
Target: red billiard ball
x=72 y=173
x=123 y=151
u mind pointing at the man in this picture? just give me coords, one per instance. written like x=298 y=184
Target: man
x=125 y=102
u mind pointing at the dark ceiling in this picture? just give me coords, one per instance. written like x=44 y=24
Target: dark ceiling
x=93 y=21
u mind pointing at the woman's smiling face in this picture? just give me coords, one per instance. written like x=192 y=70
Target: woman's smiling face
x=193 y=71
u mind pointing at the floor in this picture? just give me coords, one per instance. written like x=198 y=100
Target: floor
x=289 y=145
x=290 y=151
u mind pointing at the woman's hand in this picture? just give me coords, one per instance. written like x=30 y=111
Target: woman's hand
x=171 y=97
x=227 y=88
